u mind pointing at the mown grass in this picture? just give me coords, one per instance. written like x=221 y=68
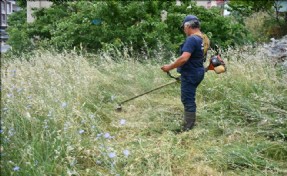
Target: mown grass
x=58 y=118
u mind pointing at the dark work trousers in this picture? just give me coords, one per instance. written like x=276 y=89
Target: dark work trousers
x=189 y=83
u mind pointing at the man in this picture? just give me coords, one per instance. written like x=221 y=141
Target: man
x=190 y=66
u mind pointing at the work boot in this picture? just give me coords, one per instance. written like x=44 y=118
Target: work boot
x=189 y=120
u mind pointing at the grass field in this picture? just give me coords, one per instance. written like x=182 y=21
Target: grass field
x=58 y=117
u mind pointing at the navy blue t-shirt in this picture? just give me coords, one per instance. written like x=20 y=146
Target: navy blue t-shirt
x=194 y=45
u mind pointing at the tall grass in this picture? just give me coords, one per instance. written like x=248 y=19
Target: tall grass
x=58 y=118
x=256 y=25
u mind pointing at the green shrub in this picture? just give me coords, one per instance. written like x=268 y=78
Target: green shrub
x=19 y=38
x=135 y=24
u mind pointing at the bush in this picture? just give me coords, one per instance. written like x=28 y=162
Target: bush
x=96 y=25
x=18 y=33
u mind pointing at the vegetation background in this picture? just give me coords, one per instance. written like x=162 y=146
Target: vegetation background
x=67 y=71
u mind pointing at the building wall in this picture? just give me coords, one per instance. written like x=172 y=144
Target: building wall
x=3 y=14
x=283 y=6
x=35 y=4
x=214 y=3
x=206 y=3
x=7 y=8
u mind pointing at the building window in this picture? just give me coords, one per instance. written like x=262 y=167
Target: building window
x=3 y=18
x=8 y=8
x=2 y=7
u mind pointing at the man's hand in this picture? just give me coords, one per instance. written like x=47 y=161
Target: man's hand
x=177 y=63
x=166 y=68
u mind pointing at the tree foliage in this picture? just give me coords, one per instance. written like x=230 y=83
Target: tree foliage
x=246 y=7
x=274 y=25
x=18 y=33
x=98 y=25
x=23 y=3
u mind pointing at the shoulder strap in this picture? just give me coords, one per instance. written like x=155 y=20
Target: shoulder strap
x=205 y=40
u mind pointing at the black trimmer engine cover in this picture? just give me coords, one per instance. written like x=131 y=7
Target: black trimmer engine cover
x=215 y=61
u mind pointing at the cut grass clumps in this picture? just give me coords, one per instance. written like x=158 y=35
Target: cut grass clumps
x=248 y=156
x=58 y=117
x=250 y=93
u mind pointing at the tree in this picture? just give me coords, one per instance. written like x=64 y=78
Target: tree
x=273 y=25
x=96 y=25
x=246 y=7
x=18 y=35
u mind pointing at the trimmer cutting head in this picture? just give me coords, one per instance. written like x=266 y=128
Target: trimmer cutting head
x=119 y=108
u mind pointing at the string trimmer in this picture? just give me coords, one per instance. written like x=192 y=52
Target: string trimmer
x=119 y=107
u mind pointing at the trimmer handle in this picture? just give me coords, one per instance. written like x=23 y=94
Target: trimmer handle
x=176 y=78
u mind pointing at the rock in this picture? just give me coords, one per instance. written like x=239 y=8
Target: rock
x=277 y=49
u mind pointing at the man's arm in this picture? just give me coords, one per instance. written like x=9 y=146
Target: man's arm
x=177 y=63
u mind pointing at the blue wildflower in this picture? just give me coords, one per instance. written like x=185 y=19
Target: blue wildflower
x=11 y=132
x=19 y=90
x=16 y=168
x=13 y=87
x=107 y=135
x=66 y=126
x=9 y=95
x=13 y=73
x=49 y=114
x=81 y=131
x=64 y=104
x=122 y=121
x=113 y=97
x=112 y=155
x=126 y=153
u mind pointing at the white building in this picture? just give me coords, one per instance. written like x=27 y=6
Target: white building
x=206 y=3
x=214 y=3
x=7 y=8
x=35 y=4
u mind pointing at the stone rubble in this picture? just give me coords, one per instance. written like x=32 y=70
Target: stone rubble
x=277 y=50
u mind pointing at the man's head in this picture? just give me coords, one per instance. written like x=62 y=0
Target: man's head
x=190 y=24
x=191 y=21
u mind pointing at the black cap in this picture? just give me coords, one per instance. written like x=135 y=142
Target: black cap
x=189 y=18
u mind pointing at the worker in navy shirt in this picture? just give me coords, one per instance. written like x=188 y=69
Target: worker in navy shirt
x=190 y=65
